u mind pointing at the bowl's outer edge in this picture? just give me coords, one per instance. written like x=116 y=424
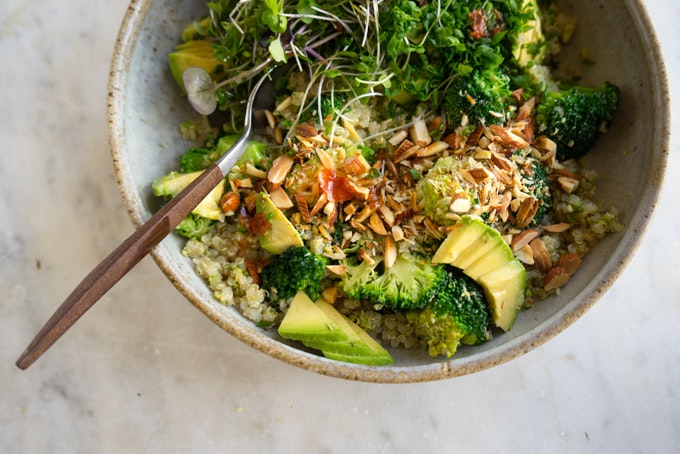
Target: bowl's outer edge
x=122 y=54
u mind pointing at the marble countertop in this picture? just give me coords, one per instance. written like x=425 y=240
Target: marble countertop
x=144 y=371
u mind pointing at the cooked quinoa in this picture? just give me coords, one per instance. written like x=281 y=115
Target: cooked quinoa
x=229 y=257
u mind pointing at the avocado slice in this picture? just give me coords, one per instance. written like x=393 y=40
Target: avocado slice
x=461 y=235
x=528 y=45
x=320 y=326
x=196 y=53
x=173 y=183
x=305 y=322
x=481 y=253
x=504 y=288
x=281 y=234
x=363 y=348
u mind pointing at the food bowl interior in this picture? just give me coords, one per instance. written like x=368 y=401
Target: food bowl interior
x=146 y=107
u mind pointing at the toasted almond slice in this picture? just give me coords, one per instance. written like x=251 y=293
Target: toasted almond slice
x=525 y=109
x=364 y=256
x=461 y=205
x=280 y=168
x=454 y=140
x=523 y=238
x=420 y=134
x=338 y=270
x=402 y=153
x=541 y=255
x=330 y=294
x=320 y=203
x=303 y=207
x=376 y=224
x=326 y=159
x=526 y=212
x=502 y=162
x=507 y=137
x=544 y=144
x=398 y=137
x=360 y=192
x=525 y=255
x=254 y=171
x=387 y=215
x=271 y=121
x=570 y=262
x=433 y=149
x=280 y=198
x=556 y=228
x=284 y=104
x=567 y=184
x=555 y=278
x=397 y=233
x=390 y=253
x=356 y=166
x=477 y=175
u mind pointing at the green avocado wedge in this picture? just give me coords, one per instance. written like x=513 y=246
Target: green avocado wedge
x=280 y=234
x=481 y=253
x=321 y=327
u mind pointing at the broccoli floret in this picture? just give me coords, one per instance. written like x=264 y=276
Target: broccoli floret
x=410 y=283
x=440 y=186
x=483 y=96
x=296 y=269
x=540 y=189
x=458 y=314
x=201 y=158
x=194 y=226
x=576 y=116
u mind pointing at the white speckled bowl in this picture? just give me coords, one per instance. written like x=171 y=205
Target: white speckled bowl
x=145 y=108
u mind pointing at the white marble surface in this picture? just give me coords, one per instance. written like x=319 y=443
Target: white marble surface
x=144 y=371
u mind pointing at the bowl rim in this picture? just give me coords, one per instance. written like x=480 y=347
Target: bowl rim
x=123 y=51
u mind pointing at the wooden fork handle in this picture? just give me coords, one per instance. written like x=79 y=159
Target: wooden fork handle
x=119 y=262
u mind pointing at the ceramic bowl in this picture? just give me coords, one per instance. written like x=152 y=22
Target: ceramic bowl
x=145 y=108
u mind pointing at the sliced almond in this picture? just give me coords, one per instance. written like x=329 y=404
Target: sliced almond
x=356 y=166
x=338 y=270
x=326 y=159
x=526 y=212
x=280 y=169
x=525 y=255
x=570 y=262
x=502 y=162
x=387 y=215
x=507 y=137
x=433 y=149
x=271 y=121
x=542 y=258
x=454 y=140
x=476 y=176
x=555 y=278
x=398 y=137
x=330 y=294
x=364 y=256
x=405 y=152
x=303 y=207
x=280 y=198
x=254 y=171
x=390 y=253
x=461 y=205
x=376 y=224
x=556 y=228
x=567 y=184
x=523 y=238
x=420 y=134
x=397 y=233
